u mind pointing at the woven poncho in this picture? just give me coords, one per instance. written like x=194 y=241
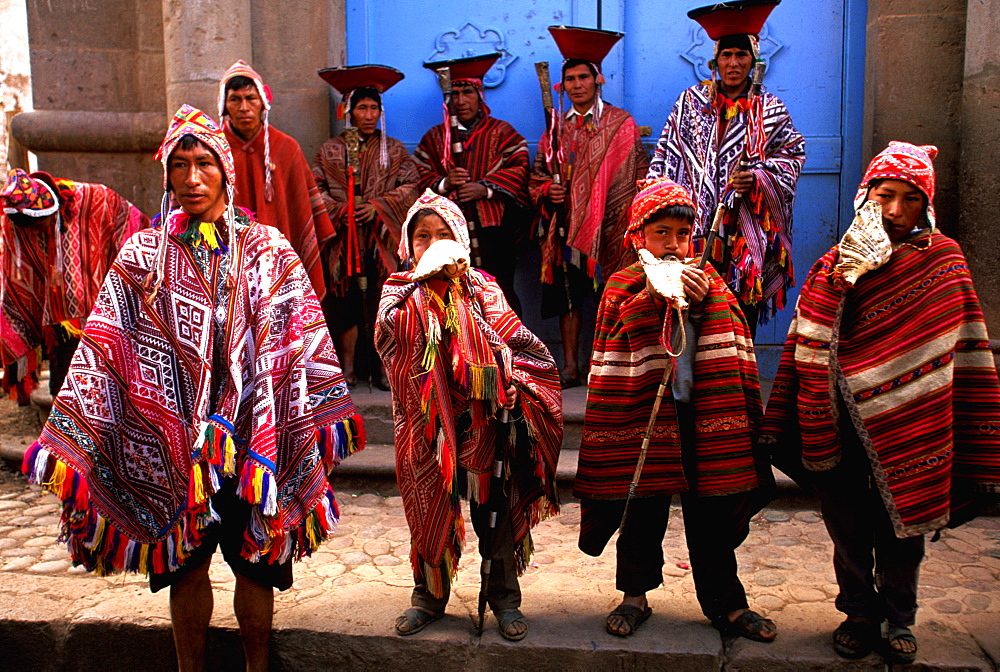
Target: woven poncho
x=168 y=395
x=625 y=372
x=911 y=359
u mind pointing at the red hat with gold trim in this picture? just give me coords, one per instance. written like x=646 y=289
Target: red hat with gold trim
x=585 y=44
x=741 y=17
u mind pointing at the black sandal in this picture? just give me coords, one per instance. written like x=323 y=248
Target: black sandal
x=864 y=634
x=632 y=616
x=749 y=624
x=508 y=617
x=416 y=619
x=899 y=633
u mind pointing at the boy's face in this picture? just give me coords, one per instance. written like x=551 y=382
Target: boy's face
x=667 y=235
x=903 y=206
x=427 y=231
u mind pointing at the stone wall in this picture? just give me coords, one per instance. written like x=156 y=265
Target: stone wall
x=913 y=86
x=15 y=71
x=107 y=75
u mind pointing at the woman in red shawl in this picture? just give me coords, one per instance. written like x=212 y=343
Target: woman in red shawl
x=460 y=363
x=701 y=444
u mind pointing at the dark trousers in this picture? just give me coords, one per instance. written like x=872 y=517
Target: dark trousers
x=877 y=572
x=714 y=528
x=59 y=364
x=499 y=255
x=503 y=590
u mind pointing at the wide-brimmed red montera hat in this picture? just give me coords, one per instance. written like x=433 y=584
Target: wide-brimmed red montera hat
x=586 y=44
x=741 y=17
x=471 y=67
x=346 y=78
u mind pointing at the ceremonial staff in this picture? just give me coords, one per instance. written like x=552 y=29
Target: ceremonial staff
x=457 y=150
x=552 y=123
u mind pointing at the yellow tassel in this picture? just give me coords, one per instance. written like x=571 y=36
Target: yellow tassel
x=144 y=558
x=102 y=525
x=196 y=482
x=55 y=483
x=207 y=231
x=258 y=485
x=229 y=465
x=71 y=329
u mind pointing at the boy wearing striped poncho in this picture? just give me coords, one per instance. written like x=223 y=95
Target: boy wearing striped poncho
x=701 y=443
x=888 y=396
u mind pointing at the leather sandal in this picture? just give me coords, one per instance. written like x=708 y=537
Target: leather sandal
x=508 y=617
x=414 y=620
x=899 y=633
x=631 y=616
x=749 y=624
x=855 y=639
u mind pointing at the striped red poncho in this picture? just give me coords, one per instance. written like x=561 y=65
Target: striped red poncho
x=445 y=413
x=911 y=358
x=625 y=372
x=495 y=154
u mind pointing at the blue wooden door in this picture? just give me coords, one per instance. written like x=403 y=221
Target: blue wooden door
x=815 y=51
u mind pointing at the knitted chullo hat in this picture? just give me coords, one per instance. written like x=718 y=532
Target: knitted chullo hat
x=913 y=164
x=445 y=209
x=242 y=69
x=25 y=195
x=654 y=195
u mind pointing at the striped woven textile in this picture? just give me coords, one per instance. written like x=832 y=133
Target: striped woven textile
x=390 y=190
x=625 y=372
x=600 y=166
x=910 y=355
x=692 y=153
x=41 y=300
x=442 y=424
x=495 y=154
x=168 y=395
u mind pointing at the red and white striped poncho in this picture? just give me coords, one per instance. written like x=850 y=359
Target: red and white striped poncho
x=910 y=356
x=625 y=372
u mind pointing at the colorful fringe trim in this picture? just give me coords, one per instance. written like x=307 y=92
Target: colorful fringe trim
x=341 y=439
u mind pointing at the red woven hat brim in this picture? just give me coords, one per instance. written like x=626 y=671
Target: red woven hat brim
x=348 y=78
x=586 y=44
x=472 y=67
x=742 y=17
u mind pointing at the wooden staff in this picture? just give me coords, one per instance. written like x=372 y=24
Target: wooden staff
x=355 y=242
x=458 y=158
x=552 y=122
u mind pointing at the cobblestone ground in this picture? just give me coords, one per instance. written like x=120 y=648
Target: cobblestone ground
x=786 y=560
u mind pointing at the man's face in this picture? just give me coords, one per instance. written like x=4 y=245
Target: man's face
x=903 y=207
x=734 y=67
x=464 y=102
x=667 y=236
x=427 y=231
x=245 y=108
x=580 y=85
x=365 y=115
x=198 y=182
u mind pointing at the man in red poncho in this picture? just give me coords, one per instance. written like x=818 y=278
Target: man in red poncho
x=887 y=400
x=273 y=178
x=57 y=239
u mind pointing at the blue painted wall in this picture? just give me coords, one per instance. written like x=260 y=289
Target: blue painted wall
x=815 y=50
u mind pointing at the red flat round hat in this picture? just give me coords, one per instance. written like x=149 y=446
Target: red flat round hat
x=349 y=77
x=471 y=67
x=586 y=44
x=741 y=17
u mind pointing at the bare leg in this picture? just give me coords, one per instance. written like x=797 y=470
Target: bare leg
x=190 y=611
x=254 y=607
x=570 y=324
x=346 y=344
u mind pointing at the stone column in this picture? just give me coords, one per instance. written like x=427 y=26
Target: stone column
x=980 y=198
x=201 y=39
x=913 y=85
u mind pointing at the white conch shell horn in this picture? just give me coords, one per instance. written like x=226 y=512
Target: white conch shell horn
x=665 y=277
x=865 y=246
x=445 y=252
